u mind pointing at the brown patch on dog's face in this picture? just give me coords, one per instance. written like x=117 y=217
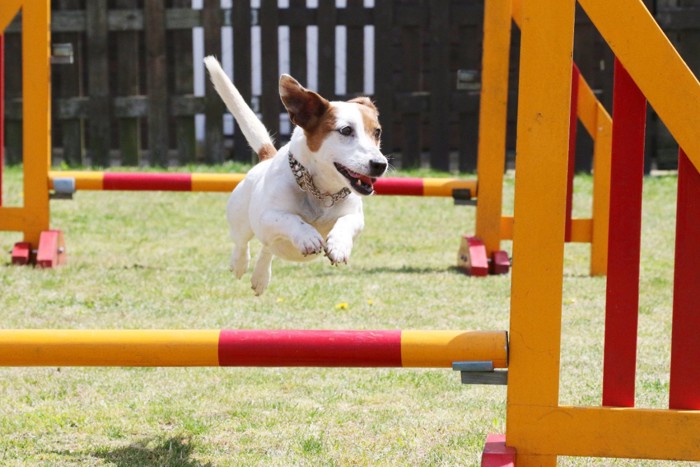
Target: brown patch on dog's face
x=326 y=125
x=370 y=118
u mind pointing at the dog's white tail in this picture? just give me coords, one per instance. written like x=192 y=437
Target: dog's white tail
x=254 y=131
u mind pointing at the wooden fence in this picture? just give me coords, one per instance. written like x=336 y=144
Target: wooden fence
x=128 y=98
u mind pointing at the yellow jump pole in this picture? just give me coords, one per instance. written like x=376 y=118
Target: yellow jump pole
x=288 y=348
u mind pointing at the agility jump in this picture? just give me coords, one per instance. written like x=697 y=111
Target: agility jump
x=538 y=428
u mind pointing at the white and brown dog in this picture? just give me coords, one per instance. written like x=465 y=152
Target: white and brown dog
x=306 y=197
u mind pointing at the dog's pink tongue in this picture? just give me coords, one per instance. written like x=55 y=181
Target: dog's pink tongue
x=366 y=180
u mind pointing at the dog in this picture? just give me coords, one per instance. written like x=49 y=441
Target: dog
x=305 y=198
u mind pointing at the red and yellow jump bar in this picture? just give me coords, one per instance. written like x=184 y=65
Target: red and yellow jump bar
x=212 y=182
x=258 y=348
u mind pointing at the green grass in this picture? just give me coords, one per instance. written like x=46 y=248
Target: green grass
x=159 y=260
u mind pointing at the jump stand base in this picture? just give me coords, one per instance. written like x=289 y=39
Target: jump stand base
x=496 y=453
x=500 y=262
x=473 y=259
x=50 y=254
x=22 y=253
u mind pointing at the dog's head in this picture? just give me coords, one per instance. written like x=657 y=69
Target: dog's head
x=342 y=137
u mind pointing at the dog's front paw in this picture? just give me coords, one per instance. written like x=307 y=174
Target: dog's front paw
x=338 y=251
x=310 y=244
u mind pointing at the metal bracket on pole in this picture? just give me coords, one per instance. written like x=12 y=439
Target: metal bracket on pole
x=63 y=188
x=480 y=373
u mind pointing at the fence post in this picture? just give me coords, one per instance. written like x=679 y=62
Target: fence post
x=441 y=86
x=269 y=32
x=383 y=63
x=213 y=106
x=242 y=72
x=98 y=82
x=70 y=85
x=127 y=43
x=157 y=79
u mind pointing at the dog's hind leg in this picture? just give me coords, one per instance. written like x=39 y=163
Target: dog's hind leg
x=262 y=271
x=240 y=259
x=241 y=234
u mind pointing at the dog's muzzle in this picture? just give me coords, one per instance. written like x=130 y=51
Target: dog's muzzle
x=363 y=184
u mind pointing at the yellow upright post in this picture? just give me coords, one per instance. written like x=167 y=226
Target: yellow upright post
x=33 y=217
x=36 y=82
x=547 y=28
x=602 y=150
x=492 y=122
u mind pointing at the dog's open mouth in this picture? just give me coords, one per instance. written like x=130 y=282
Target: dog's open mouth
x=362 y=184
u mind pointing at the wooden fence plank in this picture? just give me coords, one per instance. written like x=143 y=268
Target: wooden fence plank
x=13 y=94
x=242 y=72
x=181 y=58
x=68 y=82
x=297 y=46
x=469 y=47
x=440 y=85
x=128 y=84
x=214 y=107
x=98 y=83
x=327 y=14
x=410 y=85
x=355 y=51
x=269 y=100
x=383 y=71
x=157 y=79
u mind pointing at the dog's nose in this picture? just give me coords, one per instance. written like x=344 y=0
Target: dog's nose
x=377 y=168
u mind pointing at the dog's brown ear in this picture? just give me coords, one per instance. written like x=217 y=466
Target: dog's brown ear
x=366 y=101
x=305 y=107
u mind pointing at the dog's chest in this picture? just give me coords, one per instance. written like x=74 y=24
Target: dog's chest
x=321 y=218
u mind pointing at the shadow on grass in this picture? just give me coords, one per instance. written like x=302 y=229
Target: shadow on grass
x=176 y=451
x=401 y=270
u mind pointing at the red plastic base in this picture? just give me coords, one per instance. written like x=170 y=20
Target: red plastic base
x=500 y=262
x=496 y=453
x=52 y=249
x=50 y=254
x=472 y=257
x=473 y=260
x=22 y=253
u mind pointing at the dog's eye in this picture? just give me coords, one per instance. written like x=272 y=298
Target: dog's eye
x=346 y=131
x=378 y=133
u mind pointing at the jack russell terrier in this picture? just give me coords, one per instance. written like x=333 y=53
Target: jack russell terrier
x=306 y=197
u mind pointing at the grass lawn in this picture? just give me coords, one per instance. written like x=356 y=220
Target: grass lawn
x=159 y=260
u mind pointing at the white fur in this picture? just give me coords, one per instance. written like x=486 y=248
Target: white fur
x=269 y=205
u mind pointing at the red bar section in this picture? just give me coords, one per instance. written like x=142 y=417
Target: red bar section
x=399 y=186
x=310 y=348
x=685 y=352
x=622 y=295
x=147 y=181
x=573 y=122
